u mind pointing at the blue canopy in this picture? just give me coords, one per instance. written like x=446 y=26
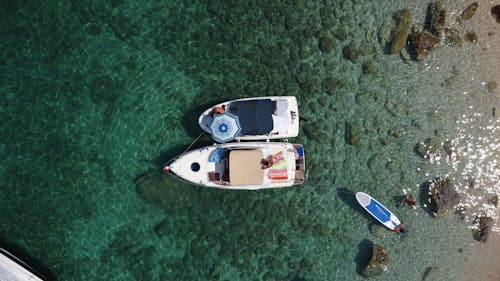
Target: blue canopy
x=255 y=116
x=225 y=127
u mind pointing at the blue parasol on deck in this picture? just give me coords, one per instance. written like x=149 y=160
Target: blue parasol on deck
x=225 y=127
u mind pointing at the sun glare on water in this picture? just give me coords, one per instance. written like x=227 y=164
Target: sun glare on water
x=475 y=161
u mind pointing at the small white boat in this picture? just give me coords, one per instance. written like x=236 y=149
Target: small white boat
x=13 y=269
x=260 y=118
x=250 y=165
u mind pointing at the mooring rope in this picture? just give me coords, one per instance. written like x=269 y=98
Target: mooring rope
x=170 y=161
x=195 y=140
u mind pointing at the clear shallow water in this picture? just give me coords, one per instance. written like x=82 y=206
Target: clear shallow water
x=95 y=97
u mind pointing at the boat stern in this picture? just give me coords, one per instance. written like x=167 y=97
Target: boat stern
x=300 y=164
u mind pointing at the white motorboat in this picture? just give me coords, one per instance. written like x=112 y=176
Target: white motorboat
x=242 y=165
x=260 y=118
x=13 y=269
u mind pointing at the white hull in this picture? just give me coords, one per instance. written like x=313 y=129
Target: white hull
x=241 y=166
x=13 y=269
x=377 y=210
x=285 y=123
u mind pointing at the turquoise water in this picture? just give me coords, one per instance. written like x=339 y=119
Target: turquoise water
x=96 y=96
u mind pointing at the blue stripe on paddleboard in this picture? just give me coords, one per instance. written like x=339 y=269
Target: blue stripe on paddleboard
x=379 y=211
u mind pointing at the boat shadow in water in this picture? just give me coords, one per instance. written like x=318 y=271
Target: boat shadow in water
x=37 y=267
x=167 y=155
x=189 y=119
x=171 y=153
x=364 y=255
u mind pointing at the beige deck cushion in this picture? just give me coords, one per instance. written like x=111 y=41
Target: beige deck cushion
x=245 y=167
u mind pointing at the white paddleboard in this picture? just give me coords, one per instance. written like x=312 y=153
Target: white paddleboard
x=380 y=212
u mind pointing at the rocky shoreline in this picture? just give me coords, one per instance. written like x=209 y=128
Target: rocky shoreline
x=416 y=42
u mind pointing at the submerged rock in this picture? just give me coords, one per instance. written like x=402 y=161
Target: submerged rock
x=429 y=147
x=325 y=44
x=438 y=17
x=341 y=34
x=492 y=85
x=291 y=21
x=93 y=28
x=452 y=78
x=443 y=196
x=316 y=132
x=351 y=52
x=461 y=212
x=400 y=32
x=378 y=230
x=493 y=200
x=485 y=224
x=452 y=37
x=352 y=134
x=405 y=56
x=165 y=191
x=123 y=26
x=423 y=42
x=430 y=273
x=370 y=67
x=379 y=263
x=470 y=11
x=104 y=89
x=164 y=228
x=329 y=85
x=495 y=12
x=396 y=107
x=471 y=37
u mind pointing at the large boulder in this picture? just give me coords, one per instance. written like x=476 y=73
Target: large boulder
x=443 y=196
x=379 y=262
x=423 y=42
x=400 y=32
